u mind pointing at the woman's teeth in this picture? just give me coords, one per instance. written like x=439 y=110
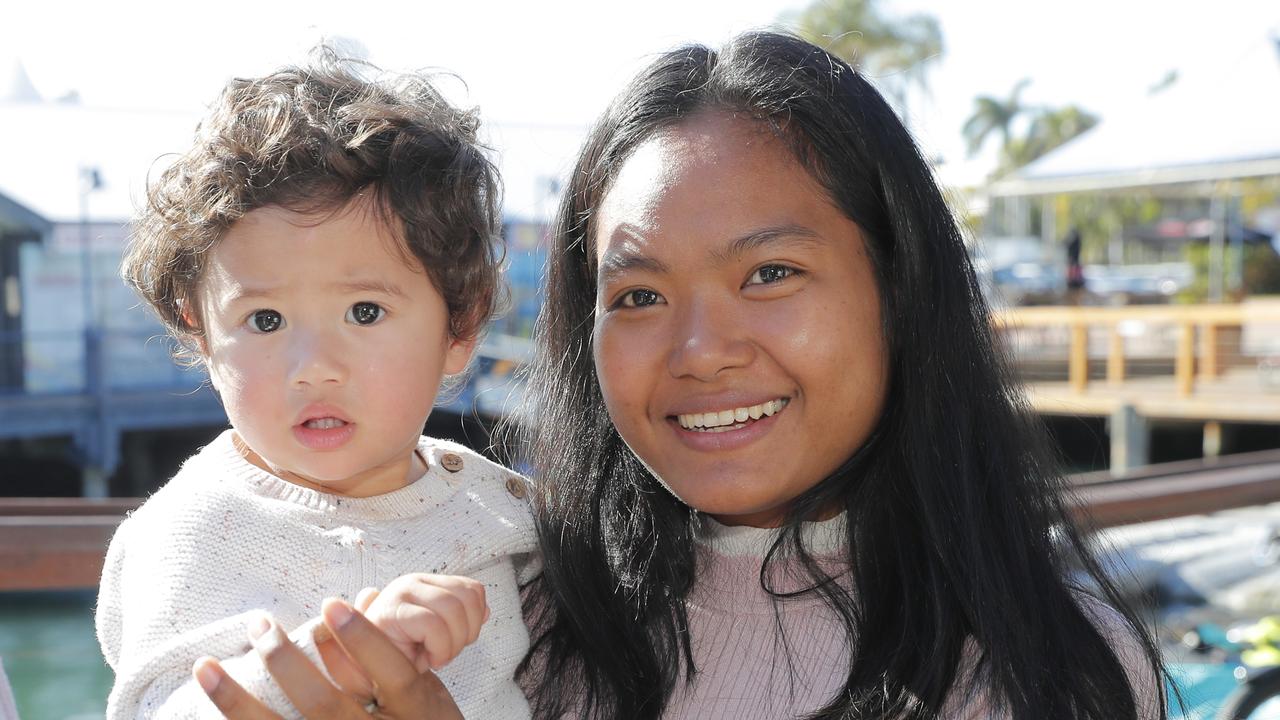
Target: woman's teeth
x=729 y=419
x=327 y=423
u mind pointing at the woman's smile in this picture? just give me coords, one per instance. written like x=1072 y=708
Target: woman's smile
x=725 y=420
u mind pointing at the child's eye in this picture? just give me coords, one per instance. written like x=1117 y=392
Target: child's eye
x=265 y=321
x=365 y=313
x=639 y=298
x=767 y=274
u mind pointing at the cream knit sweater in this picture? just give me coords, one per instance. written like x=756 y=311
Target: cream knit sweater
x=225 y=539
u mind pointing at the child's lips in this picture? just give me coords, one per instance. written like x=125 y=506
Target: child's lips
x=321 y=413
x=323 y=428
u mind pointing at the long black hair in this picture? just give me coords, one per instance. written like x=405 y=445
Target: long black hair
x=954 y=504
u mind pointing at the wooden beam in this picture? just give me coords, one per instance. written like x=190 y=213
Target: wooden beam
x=1115 y=356
x=1184 y=365
x=1208 y=351
x=1078 y=359
x=1211 y=489
x=48 y=553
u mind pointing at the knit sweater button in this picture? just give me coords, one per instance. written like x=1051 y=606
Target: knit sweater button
x=451 y=462
x=515 y=486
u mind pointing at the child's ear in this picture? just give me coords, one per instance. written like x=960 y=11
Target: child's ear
x=459 y=354
x=193 y=327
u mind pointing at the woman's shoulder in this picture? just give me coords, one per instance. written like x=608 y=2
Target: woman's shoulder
x=1130 y=648
x=970 y=698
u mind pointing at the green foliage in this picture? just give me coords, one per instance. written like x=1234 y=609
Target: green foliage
x=1261 y=274
x=894 y=51
x=993 y=115
x=1261 y=271
x=1048 y=130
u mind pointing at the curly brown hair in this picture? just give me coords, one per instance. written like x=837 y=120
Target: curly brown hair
x=312 y=139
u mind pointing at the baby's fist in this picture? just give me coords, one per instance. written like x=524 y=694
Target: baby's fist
x=431 y=618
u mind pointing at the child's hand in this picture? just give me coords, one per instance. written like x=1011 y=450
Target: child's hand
x=430 y=618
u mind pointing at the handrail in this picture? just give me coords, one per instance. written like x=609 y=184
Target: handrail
x=1193 y=321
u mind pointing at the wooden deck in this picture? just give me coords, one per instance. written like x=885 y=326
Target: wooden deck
x=1211 y=363
x=1237 y=395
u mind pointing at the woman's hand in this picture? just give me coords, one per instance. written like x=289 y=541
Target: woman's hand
x=399 y=691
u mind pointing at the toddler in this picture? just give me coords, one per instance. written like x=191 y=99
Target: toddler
x=327 y=251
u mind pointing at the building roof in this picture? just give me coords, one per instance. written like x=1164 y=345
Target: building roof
x=1207 y=127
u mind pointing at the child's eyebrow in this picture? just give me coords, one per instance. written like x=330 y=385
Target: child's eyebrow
x=369 y=286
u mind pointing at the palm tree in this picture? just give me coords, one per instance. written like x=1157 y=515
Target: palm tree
x=993 y=115
x=894 y=51
x=1048 y=130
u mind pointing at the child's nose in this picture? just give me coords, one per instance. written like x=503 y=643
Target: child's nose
x=317 y=360
x=708 y=340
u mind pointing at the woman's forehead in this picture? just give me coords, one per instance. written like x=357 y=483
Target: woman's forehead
x=714 y=175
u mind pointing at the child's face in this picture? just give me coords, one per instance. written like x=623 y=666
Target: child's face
x=326 y=346
x=730 y=287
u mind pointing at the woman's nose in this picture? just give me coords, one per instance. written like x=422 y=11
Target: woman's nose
x=708 y=340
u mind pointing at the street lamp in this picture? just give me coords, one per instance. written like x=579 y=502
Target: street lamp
x=94 y=483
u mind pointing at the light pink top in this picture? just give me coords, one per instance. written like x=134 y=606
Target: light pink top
x=747 y=670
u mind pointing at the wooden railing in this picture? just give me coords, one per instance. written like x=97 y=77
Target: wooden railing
x=1191 y=359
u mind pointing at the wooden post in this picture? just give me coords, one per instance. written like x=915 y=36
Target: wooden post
x=1185 y=362
x=1130 y=440
x=1208 y=350
x=1078 y=360
x=1211 y=446
x=1115 y=357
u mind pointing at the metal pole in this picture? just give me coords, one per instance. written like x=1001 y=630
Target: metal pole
x=94 y=479
x=1217 y=213
x=1235 y=279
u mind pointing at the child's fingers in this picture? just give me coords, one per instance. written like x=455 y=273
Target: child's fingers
x=441 y=631
x=470 y=593
x=431 y=618
x=439 y=620
x=365 y=598
x=400 y=690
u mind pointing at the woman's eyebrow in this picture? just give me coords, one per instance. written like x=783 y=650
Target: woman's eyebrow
x=620 y=261
x=780 y=234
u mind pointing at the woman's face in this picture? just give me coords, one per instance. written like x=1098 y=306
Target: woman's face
x=737 y=323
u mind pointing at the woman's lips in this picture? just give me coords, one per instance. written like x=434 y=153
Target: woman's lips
x=726 y=437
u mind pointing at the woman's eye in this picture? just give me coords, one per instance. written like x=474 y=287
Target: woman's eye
x=266 y=321
x=770 y=274
x=365 y=313
x=640 y=298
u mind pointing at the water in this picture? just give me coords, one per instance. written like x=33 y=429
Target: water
x=51 y=655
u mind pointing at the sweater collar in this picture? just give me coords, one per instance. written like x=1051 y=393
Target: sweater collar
x=822 y=538
x=411 y=500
